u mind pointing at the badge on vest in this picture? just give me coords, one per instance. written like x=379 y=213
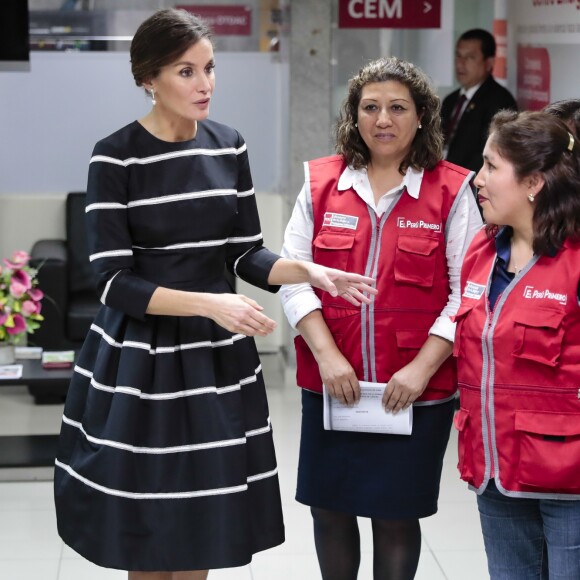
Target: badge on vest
x=419 y=224
x=530 y=292
x=473 y=290
x=340 y=220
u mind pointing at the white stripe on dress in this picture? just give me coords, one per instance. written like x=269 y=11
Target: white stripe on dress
x=107 y=286
x=110 y=254
x=135 y=392
x=105 y=205
x=182 y=196
x=246 y=193
x=167 y=450
x=204 y=244
x=167 y=156
x=260 y=476
x=166 y=349
x=238 y=260
x=169 y=199
x=241 y=240
x=164 y=495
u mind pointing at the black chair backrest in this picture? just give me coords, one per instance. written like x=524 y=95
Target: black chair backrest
x=81 y=277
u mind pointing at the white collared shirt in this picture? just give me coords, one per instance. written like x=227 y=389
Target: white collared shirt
x=298 y=300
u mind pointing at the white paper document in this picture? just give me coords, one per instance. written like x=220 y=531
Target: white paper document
x=367 y=415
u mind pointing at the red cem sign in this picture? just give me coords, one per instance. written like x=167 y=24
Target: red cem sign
x=533 y=91
x=389 y=14
x=224 y=20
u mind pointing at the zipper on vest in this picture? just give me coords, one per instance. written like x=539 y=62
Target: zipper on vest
x=487 y=407
x=368 y=328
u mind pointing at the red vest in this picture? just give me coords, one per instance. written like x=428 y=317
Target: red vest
x=405 y=251
x=521 y=365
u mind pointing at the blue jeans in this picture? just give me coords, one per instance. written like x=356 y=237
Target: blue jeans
x=530 y=539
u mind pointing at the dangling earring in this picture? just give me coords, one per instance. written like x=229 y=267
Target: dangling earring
x=420 y=126
x=531 y=198
x=356 y=125
x=152 y=92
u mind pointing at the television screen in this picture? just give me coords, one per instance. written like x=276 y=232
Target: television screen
x=14 y=42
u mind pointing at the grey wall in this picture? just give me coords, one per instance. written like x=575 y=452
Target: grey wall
x=51 y=117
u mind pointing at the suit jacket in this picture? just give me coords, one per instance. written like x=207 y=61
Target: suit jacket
x=469 y=138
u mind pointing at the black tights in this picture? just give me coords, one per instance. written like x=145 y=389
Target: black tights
x=396 y=546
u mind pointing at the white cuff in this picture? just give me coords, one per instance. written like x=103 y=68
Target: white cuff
x=297 y=307
x=444 y=328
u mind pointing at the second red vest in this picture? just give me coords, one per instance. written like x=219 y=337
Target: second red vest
x=519 y=375
x=405 y=251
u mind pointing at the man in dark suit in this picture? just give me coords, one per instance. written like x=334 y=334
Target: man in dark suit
x=467 y=112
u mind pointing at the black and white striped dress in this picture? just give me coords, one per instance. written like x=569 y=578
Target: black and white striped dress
x=166 y=460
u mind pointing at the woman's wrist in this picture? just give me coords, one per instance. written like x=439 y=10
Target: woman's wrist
x=287 y=271
x=201 y=303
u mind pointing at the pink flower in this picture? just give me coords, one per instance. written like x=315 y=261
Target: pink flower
x=29 y=307
x=19 y=259
x=17 y=289
x=36 y=294
x=19 y=325
x=3 y=319
x=22 y=277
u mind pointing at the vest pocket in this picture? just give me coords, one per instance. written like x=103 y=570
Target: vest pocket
x=332 y=249
x=538 y=335
x=459 y=319
x=549 y=450
x=461 y=422
x=415 y=260
x=409 y=342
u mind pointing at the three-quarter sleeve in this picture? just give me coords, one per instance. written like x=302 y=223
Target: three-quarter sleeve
x=464 y=222
x=246 y=256
x=298 y=300
x=109 y=237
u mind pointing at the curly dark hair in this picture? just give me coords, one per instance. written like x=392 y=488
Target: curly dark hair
x=427 y=147
x=162 y=39
x=538 y=142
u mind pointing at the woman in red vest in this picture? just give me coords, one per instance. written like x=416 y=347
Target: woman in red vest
x=387 y=206
x=518 y=348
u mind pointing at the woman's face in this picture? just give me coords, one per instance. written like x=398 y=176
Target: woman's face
x=387 y=120
x=503 y=199
x=184 y=88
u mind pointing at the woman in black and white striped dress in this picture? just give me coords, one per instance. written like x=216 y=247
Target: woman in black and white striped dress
x=166 y=461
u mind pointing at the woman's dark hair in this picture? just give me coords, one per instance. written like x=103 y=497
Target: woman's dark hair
x=162 y=39
x=537 y=142
x=427 y=147
x=569 y=111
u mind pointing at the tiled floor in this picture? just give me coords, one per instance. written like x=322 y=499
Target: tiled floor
x=30 y=548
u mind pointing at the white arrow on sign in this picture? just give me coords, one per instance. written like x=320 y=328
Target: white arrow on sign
x=426 y=7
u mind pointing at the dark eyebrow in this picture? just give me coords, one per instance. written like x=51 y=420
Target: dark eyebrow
x=191 y=64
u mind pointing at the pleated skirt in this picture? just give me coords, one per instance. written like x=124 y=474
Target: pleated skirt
x=166 y=460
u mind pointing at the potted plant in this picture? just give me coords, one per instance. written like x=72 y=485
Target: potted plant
x=20 y=303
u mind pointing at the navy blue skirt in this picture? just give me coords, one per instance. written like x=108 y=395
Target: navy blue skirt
x=370 y=474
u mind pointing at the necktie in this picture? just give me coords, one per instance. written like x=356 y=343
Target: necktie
x=451 y=126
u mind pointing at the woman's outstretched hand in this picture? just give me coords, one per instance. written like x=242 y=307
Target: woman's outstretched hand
x=239 y=314
x=349 y=286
